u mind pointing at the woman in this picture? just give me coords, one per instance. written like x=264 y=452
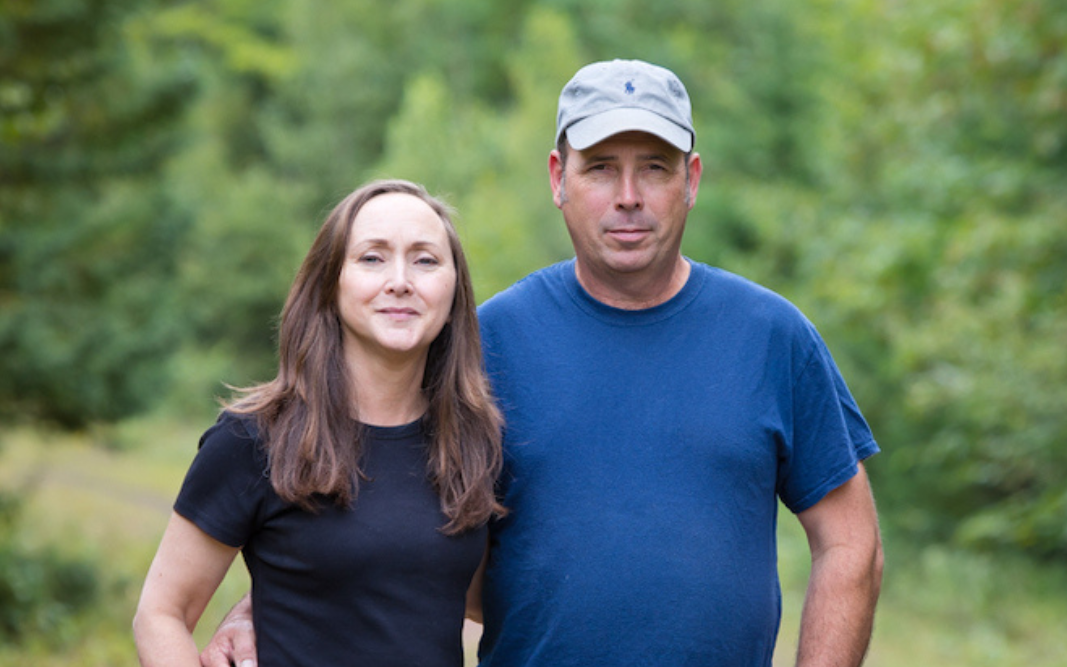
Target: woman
x=357 y=484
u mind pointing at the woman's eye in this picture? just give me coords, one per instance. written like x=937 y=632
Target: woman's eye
x=427 y=261
x=370 y=259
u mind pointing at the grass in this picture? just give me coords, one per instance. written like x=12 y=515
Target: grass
x=946 y=606
x=949 y=607
x=106 y=495
x=110 y=504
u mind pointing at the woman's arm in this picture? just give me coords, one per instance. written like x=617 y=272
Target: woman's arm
x=187 y=569
x=474 y=591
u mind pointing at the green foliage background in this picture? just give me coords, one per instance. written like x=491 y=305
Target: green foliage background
x=897 y=169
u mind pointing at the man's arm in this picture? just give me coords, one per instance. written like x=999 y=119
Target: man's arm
x=846 y=576
x=234 y=643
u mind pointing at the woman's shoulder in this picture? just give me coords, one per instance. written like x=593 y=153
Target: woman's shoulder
x=227 y=482
x=232 y=433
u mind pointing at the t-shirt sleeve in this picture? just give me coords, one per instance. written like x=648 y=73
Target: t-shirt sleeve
x=829 y=434
x=226 y=484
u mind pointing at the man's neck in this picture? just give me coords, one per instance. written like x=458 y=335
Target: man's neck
x=634 y=291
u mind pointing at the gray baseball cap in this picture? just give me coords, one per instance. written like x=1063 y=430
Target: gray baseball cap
x=606 y=98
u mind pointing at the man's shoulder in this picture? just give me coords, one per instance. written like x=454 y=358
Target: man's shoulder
x=518 y=297
x=722 y=281
x=747 y=299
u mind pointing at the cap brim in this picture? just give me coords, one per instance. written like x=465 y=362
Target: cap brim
x=594 y=129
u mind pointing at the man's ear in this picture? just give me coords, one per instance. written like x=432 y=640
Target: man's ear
x=696 y=168
x=555 y=177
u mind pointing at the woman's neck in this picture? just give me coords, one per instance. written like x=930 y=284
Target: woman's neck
x=388 y=393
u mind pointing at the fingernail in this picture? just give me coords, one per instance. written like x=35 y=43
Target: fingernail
x=248 y=663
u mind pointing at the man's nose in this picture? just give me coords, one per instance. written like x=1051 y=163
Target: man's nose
x=629 y=193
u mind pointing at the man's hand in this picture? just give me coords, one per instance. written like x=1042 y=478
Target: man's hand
x=234 y=643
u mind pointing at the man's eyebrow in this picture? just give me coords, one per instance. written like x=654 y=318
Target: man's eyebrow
x=612 y=157
x=600 y=157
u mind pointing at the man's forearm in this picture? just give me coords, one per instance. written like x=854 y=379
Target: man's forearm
x=242 y=611
x=234 y=642
x=838 y=616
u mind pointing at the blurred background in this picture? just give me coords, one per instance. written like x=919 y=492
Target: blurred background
x=896 y=168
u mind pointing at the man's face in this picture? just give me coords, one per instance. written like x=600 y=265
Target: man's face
x=625 y=202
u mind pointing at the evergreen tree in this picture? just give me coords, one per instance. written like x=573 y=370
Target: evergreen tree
x=86 y=234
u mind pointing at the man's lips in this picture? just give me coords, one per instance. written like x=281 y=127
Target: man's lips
x=629 y=234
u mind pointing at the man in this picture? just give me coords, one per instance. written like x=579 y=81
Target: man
x=657 y=410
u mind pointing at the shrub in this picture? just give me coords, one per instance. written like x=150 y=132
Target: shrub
x=40 y=589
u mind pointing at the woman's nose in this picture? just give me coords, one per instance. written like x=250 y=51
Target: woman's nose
x=399 y=281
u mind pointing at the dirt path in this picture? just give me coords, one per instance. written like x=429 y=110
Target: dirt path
x=70 y=477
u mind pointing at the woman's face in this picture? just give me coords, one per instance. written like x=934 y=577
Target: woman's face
x=398 y=280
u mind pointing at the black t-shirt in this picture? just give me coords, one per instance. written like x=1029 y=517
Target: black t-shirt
x=377 y=584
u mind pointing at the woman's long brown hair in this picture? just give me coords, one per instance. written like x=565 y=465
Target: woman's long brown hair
x=305 y=415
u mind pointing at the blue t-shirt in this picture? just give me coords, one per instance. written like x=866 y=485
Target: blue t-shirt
x=645 y=454
x=376 y=584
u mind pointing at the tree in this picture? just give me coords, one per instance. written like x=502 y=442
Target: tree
x=936 y=258
x=85 y=233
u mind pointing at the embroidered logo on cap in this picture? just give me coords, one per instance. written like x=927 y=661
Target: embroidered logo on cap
x=629 y=87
